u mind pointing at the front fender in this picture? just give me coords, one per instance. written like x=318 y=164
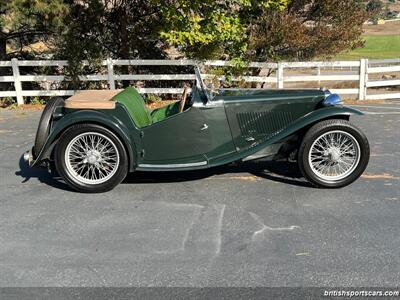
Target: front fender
x=88 y=116
x=319 y=115
x=311 y=118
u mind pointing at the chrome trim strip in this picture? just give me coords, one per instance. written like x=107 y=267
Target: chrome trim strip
x=167 y=166
x=209 y=104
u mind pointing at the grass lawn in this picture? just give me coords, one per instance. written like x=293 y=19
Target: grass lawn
x=376 y=47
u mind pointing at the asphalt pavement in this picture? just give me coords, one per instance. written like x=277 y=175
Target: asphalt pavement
x=234 y=226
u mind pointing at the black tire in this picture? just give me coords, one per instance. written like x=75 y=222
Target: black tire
x=71 y=178
x=317 y=131
x=45 y=124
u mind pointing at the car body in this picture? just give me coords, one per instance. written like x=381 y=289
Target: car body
x=214 y=128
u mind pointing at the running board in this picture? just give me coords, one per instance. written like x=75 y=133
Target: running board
x=171 y=166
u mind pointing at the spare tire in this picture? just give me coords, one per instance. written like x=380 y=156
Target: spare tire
x=45 y=124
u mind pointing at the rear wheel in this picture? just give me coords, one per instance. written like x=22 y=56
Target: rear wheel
x=91 y=158
x=333 y=154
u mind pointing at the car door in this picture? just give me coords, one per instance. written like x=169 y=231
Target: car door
x=183 y=137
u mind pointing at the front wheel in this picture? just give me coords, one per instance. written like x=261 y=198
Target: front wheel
x=333 y=154
x=91 y=158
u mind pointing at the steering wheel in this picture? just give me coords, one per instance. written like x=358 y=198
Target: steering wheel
x=183 y=100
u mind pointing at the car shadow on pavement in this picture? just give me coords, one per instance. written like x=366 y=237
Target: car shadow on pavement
x=51 y=179
x=278 y=171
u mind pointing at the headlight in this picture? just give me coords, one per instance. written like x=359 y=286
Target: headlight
x=332 y=99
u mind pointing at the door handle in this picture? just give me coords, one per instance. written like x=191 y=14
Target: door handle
x=204 y=127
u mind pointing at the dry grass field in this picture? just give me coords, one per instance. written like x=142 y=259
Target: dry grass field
x=389 y=28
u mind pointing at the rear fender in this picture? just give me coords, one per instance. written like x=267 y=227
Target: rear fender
x=89 y=116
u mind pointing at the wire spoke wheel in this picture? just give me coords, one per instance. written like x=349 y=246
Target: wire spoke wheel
x=334 y=155
x=91 y=158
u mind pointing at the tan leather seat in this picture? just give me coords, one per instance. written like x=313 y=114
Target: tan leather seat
x=92 y=99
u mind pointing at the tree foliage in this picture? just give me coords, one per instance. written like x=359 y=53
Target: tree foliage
x=145 y=29
x=232 y=29
x=377 y=9
x=374 y=6
x=307 y=29
x=111 y=28
x=25 y=21
x=118 y=29
x=209 y=29
x=235 y=30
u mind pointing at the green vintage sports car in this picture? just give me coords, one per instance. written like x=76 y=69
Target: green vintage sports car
x=95 y=138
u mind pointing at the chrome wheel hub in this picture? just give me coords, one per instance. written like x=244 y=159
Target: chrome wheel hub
x=91 y=158
x=334 y=155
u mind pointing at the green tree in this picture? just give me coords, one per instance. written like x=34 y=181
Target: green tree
x=376 y=9
x=110 y=28
x=25 y=21
x=100 y=29
x=147 y=29
x=307 y=29
x=212 y=29
x=129 y=29
x=237 y=30
x=374 y=6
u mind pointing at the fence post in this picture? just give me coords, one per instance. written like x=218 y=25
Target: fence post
x=110 y=73
x=17 y=82
x=366 y=79
x=279 y=76
x=362 y=94
x=319 y=75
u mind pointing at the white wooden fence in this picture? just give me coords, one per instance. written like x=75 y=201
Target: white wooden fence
x=356 y=72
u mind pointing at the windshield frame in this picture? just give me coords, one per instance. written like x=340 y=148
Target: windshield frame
x=200 y=83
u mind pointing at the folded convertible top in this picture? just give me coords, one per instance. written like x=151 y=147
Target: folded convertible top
x=92 y=99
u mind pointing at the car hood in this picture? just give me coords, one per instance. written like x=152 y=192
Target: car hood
x=272 y=94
